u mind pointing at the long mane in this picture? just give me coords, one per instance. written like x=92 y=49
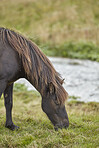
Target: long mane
x=35 y=63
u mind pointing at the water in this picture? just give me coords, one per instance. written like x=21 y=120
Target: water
x=81 y=78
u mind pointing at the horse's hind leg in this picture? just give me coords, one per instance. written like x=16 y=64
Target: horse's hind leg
x=8 y=105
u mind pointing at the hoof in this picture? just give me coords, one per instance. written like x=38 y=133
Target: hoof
x=12 y=127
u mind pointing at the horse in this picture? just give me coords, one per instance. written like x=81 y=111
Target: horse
x=22 y=58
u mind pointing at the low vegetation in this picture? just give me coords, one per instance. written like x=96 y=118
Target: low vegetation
x=78 y=50
x=36 y=131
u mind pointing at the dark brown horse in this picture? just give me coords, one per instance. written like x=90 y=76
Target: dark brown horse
x=21 y=58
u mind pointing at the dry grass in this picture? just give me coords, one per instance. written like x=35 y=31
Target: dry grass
x=53 y=21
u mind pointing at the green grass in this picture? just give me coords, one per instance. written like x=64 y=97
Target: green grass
x=65 y=28
x=78 y=50
x=36 y=130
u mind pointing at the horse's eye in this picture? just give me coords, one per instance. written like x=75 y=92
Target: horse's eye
x=56 y=101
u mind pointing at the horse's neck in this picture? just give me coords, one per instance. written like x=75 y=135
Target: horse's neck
x=37 y=86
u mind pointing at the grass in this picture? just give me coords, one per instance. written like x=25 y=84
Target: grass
x=36 y=131
x=65 y=28
x=78 y=50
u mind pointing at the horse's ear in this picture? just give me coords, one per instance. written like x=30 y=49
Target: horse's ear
x=51 y=88
x=62 y=81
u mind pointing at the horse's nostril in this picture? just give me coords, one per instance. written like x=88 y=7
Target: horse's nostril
x=65 y=126
x=65 y=123
x=56 y=128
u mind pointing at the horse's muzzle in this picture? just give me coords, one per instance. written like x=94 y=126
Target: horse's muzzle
x=64 y=124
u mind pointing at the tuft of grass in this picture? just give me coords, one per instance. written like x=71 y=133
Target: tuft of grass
x=19 y=87
x=37 y=131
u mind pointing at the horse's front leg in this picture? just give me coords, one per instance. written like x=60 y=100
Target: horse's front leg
x=8 y=105
x=3 y=85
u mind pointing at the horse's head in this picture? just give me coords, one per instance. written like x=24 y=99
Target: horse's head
x=54 y=107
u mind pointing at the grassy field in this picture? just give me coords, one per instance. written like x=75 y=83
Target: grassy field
x=67 y=28
x=36 y=131
x=55 y=25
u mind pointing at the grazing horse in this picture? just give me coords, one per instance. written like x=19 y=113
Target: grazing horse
x=21 y=58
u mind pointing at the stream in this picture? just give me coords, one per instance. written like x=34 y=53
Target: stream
x=81 y=78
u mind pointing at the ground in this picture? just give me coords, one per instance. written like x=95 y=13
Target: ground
x=37 y=131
